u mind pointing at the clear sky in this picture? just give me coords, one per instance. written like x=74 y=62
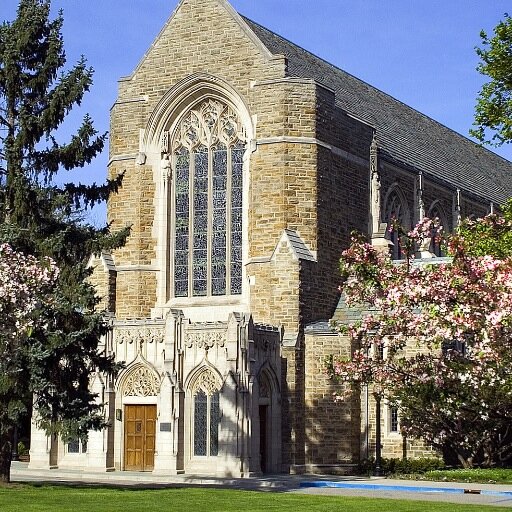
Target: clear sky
x=419 y=51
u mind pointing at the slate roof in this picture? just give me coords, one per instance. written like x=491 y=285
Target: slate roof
x=403 y=134
x=298 y=245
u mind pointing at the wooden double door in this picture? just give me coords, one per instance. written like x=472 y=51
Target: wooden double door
x=139 y=437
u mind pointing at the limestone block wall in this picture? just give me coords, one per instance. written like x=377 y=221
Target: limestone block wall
x=201 y=37
x=104 y=281
x=275 y=293
x=392 y=443
x=332 y=433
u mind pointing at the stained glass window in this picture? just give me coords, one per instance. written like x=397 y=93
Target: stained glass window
x=200 y=423
x=77 y=446
x=395 y=211
x=436 y=246
x=214 y=425
x=208 y=149
x=181 y=230
x=206 y=418
x=393 y=419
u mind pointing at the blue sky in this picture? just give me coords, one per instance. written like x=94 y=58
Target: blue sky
x=419 y=51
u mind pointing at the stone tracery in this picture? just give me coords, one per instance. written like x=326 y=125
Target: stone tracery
x=206 y=382
x=207 y=150
x=141 y=382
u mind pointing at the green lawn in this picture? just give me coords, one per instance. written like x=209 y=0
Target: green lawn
x=27 y=498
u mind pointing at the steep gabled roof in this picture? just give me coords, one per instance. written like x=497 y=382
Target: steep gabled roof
x=403 y=134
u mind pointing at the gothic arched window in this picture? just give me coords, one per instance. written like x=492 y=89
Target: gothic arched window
x=395 y=211
x=436 y=211
x=208 y=146
x=206 y=416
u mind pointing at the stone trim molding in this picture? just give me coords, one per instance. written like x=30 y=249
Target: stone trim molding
x=139 y=334
x=138 y=99
x=313 y=141
x=206 y=339
x=137 y=268
x=122 y=158
x=290 y=80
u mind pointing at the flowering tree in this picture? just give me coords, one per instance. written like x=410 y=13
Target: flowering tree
x=25 y=284
x=435 y=341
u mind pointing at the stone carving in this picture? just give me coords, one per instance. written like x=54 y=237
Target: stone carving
x=141 y=382
x=205 y=339
x=266 y=338
x=164 y=142
x=165 y=166
x=207 y=124
x=139 y=335
x=207 y=382
x=264 y=388
x=374 y=187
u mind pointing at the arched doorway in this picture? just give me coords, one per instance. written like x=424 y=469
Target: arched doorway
x=268 y=423
x=265 y=422
x=139 y=392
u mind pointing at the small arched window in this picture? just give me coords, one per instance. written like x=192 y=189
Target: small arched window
x=206 y=416
x=395 y=210
x=436 y=211
x=208 y=147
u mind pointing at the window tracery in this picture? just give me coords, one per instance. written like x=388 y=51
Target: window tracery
x=264 y=388
x=141 y=382
x=436 y=211
x=395 y=211
x=207 y=149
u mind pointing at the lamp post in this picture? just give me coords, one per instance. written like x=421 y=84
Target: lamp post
x=14 y=452
x=378 y=445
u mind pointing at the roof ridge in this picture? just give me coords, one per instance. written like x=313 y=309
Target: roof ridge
x=337 y=68
x=406 y=134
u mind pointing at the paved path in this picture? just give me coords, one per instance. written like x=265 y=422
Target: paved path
x=476 y=494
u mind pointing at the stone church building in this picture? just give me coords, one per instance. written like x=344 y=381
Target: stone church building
x=247 y=163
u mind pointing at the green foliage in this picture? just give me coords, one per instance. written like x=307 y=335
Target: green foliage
x=43 y=218
x=474 y=475
x=491 y=235
x=494 y=103
x=396 y=466
x=413 y=466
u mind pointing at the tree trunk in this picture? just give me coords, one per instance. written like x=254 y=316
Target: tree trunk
x=5 y=456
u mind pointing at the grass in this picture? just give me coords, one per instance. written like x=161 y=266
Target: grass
x=29 y=498
x=476 y=475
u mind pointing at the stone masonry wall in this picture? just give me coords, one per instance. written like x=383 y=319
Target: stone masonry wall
x=201 y=37
x=331 y=429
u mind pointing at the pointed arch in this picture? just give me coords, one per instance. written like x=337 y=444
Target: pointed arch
x=267 y=373
x=139 y=379
x=187 y=92
x=396 y=208
x=197 y=141
x=203 y=390
x=267 y=428
x=436 y=210
x=194 y=376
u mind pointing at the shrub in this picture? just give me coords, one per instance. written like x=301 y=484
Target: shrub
x=403 y=466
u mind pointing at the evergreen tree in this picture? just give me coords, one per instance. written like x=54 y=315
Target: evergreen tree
x=45 y=219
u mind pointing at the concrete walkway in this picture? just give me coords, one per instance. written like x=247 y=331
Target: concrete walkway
x=371 y=487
